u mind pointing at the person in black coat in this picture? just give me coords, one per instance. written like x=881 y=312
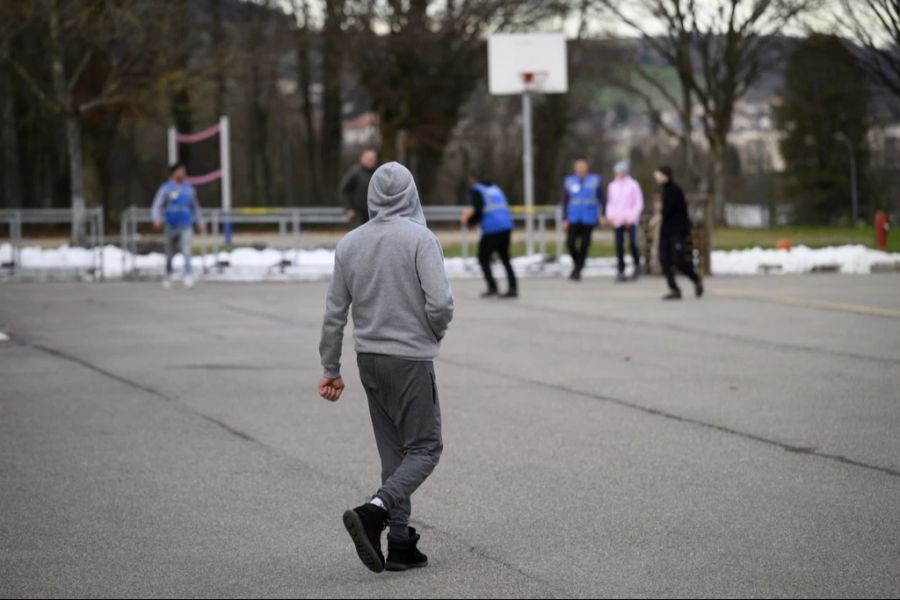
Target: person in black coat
x=673 y=235
x=354 y=188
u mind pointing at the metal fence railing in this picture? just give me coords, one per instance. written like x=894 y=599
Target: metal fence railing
x=291 y=221
x=16 y=219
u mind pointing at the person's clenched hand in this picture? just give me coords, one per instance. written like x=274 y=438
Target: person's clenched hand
x=331 y=388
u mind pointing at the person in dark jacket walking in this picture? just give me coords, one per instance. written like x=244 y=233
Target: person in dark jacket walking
x=391 y=271
x=491 y=211
x=355 y=185
x=673 y=235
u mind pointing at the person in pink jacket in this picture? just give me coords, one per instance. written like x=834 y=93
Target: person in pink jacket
x=624 y=203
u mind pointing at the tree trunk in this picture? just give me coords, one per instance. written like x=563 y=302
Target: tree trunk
x=687 y=137
x=259 y=116
x=9 y=142
x=551 y=126
x=392 y=146
x=304 y=81
x=76 y=177
x=70 y=116
x=218 y=35
x=180 y=101
x=720 y=170
x=332 y=130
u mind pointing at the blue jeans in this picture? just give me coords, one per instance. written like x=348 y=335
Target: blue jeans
x=179 y=239
x=632 y=242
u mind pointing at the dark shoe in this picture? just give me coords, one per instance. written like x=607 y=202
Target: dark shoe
x=490 y=294
x=698 y=288
x=403 y=554
x=620 y=278
x=636 y=275
x=673 y=295
x=575 y=276
x=512 y=293
x=365 y=524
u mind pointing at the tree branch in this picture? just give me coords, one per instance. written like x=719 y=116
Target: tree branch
x=34 y=86
x=82 y=64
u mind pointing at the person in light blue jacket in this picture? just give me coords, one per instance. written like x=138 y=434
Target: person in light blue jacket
x=177 y=212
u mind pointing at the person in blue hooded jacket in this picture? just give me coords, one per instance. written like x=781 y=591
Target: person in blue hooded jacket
x=175 y=206
x=582 y=202
x=490 y=211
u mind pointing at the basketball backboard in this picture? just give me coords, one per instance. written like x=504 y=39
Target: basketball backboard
x=513 y=55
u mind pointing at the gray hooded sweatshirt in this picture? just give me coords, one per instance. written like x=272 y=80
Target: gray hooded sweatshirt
x=391 y=272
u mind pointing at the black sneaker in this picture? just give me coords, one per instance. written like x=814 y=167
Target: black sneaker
x=698 y=288
x=365 y=524
x=673 y=295
x=512 y=293
x=490 y=294
x=403 y=554
x=575 y=276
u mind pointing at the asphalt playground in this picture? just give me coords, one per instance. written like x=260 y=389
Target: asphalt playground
x=598 y=442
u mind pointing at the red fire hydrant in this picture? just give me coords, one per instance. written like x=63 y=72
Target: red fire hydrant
x=881 y=229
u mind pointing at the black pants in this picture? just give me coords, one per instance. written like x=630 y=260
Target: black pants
x=632 y=243
x=499 y=243
x=673 y=253
x=579 y=242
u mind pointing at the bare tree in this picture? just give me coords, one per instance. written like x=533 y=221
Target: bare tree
x=303 y=42
x=875 y=25
x=176 y=46
x=221 y=61
x=8 y=139
x=261 y=89
x=334 y=42
x=78 y=35
x=656 y=95
x=718 y=50
x=423 y=68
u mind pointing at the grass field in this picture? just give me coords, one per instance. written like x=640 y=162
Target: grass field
x=736 y=239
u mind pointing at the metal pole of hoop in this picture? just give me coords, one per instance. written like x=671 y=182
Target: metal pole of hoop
x=225 y=165
x=527 y=162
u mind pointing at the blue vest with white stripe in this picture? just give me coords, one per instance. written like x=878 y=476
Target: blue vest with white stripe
x=179 y=204
x=583 y=205
x=496 y=216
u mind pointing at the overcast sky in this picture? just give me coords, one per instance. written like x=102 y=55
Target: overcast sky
x=826 y=18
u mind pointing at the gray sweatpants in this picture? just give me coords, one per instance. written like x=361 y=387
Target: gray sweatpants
x=406 y=417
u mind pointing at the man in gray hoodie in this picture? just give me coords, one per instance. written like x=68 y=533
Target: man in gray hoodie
x=390 y=272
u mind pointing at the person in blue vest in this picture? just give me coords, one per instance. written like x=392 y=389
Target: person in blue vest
x=582 y=201
x=177 y=212
x=490 y=210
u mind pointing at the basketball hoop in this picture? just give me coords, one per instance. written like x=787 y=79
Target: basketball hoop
x=527 y=64
x=520 y=62
x=533 y=81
